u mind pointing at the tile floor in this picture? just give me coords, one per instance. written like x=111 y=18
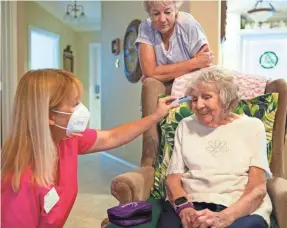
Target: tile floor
x=95 y=173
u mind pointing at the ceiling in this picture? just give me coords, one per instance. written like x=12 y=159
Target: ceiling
x=243 y=6
x=235 y=5
x=92 y=10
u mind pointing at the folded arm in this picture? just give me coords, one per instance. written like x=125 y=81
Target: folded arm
x=169 y=72
x=162 y=73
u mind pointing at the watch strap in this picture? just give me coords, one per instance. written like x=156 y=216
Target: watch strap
x=179 y=208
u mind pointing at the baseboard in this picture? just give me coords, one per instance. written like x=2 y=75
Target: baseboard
x=128 y=164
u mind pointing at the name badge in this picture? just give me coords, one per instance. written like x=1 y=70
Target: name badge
x=50 y=200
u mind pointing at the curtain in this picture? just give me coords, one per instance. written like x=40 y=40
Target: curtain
x=8 y=63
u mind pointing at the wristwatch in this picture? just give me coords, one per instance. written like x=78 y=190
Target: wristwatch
x=182 y=203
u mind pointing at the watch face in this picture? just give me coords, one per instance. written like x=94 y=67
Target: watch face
x=180 y=200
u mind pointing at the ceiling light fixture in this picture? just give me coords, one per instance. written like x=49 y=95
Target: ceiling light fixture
x=75 y=13
x=262 y=11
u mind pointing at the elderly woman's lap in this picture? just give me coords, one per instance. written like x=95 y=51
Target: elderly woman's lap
x=251 y=221
x=168 y=218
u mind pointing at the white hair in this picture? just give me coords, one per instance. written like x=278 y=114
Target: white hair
x=177 y=4
x=222 y=79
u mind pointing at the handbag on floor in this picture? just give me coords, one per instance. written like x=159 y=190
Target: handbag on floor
x=131 y=214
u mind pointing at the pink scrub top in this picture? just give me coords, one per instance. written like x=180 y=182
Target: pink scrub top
x=26 y=208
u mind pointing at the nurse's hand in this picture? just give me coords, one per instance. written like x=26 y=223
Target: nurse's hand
x=164 y=105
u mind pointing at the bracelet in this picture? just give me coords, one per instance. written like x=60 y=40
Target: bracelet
x=179 y=208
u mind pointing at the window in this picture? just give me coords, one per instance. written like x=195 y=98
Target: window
x=44 y=49
x=264 y=53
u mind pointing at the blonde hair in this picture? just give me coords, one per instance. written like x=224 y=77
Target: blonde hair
x=30 y=143
x=222 y=79
x=177 y=4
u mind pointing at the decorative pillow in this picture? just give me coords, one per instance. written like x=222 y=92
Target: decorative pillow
x=263 y=107
x=249 y=85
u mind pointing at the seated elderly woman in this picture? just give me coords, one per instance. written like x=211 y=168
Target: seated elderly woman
x=218 y=169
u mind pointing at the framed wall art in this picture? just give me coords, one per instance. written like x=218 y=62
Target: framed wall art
x=68 y=59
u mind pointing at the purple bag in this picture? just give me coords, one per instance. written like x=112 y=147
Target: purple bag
x=131 y=214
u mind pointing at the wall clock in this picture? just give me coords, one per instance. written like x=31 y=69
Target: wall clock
x=132 y=67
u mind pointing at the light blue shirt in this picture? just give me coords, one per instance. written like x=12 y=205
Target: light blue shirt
x=187 y=39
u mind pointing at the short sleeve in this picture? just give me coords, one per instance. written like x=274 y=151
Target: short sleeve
x=177 y=164
x=86 y=141
x=145 y=33
x=259 y=150
x=196 y=36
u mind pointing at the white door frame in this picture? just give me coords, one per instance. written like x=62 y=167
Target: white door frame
x=8 y=64
x=95 y=51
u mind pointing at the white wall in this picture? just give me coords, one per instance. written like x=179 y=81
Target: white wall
x=231 y=47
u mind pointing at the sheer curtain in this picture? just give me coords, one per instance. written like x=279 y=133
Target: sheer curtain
x=8 y=63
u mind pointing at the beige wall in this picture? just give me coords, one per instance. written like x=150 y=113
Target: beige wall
x=120 y=98
x=31 y=14
x=34 y=15
x=207 y=13
x=83 y=40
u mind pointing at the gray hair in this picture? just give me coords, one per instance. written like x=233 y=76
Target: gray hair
x=177 y=4
x=222 y=79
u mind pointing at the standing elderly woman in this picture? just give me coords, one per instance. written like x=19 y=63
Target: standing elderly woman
x=218 y=169
x=171 y=43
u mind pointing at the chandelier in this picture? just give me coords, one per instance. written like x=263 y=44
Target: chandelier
x=261 y=11
x=74 y=13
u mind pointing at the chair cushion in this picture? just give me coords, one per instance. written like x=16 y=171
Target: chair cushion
x=263 y=107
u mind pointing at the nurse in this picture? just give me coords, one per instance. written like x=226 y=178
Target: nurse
x=48 y=132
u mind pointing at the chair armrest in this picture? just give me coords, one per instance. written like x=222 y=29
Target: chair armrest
x=277 y=189
x=135 y=185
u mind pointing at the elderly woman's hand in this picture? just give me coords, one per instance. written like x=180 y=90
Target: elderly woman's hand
x=203 y=59
x=209 y=219
x=187 y=215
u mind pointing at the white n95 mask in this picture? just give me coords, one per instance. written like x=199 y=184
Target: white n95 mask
x=78 y=121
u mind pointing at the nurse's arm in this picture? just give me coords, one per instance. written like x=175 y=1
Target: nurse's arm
x=125 y=133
